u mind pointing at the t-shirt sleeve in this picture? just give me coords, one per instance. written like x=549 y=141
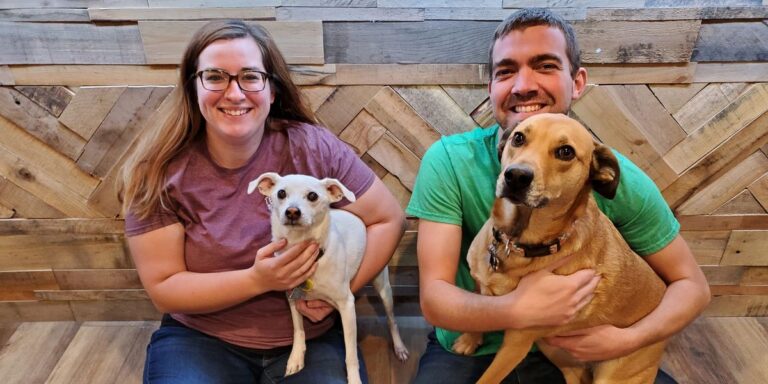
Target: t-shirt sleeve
x=436 y=195
x=639 y=211
x=160 y=218
x=344 y=165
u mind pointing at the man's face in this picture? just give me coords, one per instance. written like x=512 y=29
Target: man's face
x=531 y=74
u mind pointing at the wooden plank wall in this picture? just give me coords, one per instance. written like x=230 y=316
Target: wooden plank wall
x=679 y=86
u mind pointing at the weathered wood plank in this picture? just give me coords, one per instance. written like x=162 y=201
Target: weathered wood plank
x=374 y=165
x=343 y=105
x=52 y=98
x=112 y=310
x=748 y=107
x=707 y=246
x=33 y=351
x=737 y=305
x=20 y=285
x=401 y=194
x=26 y=114
x=396 y=158
x=405 y=254
x=6 y=77
x=73 y=3
x=641 y=74
x=212 y=3
x=483 y=114
x=468 y=97
x=722 y=222
x=34 y=311
x=362 y=132
x=94 y=279
x=88 y=109
x=720 y=290
x=44 y=15
x=735 y=275
x=301 y=42
x=410 y=74
x=730 y=72
x=438 y=3
x=25 y=205
x=746 y=353
x=733 y=41
x=706 y=104
x=759 y=190
x=694 y=348
x=746 y=248
x=717 y=193
x=679 y=13
x=133 y=366
x=742 y=204
x=329 y=3
x=97 y=353
x=731 y=152
x=81 y=252
x=135 y=14
x=619 y=42
x=313 y=74
x=315 y=95
x=674 y=96
x=572 y=3
x=6 y=212
x=92 y=294
x=65 y=226
x=79 y=75
x=494 y=14
x=658 y=127
x=402 y=121
x=700 y=3
x=349 y=14
x=69 y=43
x=434 y=105
x=131 y=114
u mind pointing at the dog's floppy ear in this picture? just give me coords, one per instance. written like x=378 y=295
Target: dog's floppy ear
x=265 y=182
x=337 y=190
x=503 y=140
x=604 y=171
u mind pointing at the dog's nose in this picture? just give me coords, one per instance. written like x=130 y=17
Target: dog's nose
x=518 y=176
x=293 y=213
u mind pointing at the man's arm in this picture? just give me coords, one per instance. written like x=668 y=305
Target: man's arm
x=541 y=298
x=686 y=296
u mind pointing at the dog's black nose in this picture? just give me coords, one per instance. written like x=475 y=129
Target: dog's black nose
x=518 y=176
x=292 y=213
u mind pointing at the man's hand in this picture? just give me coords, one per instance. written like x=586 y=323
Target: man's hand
x=314 y=310
x=603 y=342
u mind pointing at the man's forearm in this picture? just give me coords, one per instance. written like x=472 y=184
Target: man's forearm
x=448 y=306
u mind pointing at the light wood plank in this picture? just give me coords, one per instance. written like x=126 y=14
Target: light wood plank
x=91 y=279
x=26 y=114
x=301 y=42
x=20 y=285
x=343 y=105
x=23 y=204
x=133 y=367
x=732 y=41
x=44 y=15
x=65 y=226
x=483 y=114
x=410 y=74
x=33 y=351
x=316 y=95
x=722 y=222
x=52 y=98
x=402 y=121
x=92 y=295
x=748 y=107
x=6 y=77
x=349 y=14
x=730 y=72
x=112 y=310
x=742 y=204
x=720 y=290
x=88 y=109
x=34 y=311
x=725 y=275
x=658 y=127
x=737 y=305
x=707 y=246
x=396 y=158
x=759 y=190
x=434 y=105
x=694 y=348
x=641 y=74
x=25 y=252
x=705 y=105
x=674 y=96
x=747 y=352
x=107 y=75
x=401 y=194
x=468 y=97
x=746 y=248
x=96 y=353
x=134 y=14
x=69 y=43
x=724 y=188
x=5 y=212
x=132 y=112
x=362 y=132
x=314 y=74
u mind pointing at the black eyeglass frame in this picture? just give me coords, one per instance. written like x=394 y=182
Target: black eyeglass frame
x=230 y=76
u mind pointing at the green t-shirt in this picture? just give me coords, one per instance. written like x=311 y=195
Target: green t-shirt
x=456 y=185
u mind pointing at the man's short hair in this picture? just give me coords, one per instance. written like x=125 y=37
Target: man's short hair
x=531 y=17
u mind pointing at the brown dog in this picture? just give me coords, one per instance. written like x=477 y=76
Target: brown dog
x=544 y=212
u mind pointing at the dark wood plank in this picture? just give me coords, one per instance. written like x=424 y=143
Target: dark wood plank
x=66 y=226
x=52 y=98
x=722 y=222
x=21 y=285
x=45 y=15
x=70 y=43
x=735 y=41
x=691 y=352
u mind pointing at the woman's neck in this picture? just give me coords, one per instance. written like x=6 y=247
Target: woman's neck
x=232 y=154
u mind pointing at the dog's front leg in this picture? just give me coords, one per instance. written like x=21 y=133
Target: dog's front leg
x=349 y=322
x=296 y=358
x=514 y=348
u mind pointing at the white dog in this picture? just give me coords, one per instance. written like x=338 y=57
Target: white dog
x=300 y=210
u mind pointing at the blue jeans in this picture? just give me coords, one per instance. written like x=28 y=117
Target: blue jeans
x=178 y=354
x=438 y=365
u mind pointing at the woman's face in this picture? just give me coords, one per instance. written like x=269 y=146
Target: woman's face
x=233 y=115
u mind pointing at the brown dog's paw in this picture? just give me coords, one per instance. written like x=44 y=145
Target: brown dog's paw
x=467 y=343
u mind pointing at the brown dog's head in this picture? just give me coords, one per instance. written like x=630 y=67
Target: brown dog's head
x=549 y=159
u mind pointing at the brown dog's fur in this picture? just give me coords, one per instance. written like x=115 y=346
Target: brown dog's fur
x=558 y=203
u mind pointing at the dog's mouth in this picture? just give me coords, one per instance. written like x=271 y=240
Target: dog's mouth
x=523 y=197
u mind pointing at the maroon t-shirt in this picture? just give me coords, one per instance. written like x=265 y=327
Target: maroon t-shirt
x=224 y=226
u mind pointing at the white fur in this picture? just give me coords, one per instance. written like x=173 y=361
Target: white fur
x=342 y=236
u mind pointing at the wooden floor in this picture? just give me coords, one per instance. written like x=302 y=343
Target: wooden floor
x=711 y=350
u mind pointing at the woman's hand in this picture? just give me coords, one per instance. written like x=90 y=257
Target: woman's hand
x=314 y=310
x=286 y=270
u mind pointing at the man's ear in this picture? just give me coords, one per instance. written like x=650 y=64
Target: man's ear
x=264 y=183
x=579 y=83
x=337 y=190
x=604 y=171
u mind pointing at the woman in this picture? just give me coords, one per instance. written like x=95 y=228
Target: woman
x=202 y=246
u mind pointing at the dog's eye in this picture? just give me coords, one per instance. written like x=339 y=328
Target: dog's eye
x=566 y=152
x=281 y=194
x=518 y=139
x=312 y=196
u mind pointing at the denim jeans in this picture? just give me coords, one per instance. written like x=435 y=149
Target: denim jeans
x=440 y=366
x=178 y=354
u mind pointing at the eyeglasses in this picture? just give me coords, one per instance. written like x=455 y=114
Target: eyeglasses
x=249 y=80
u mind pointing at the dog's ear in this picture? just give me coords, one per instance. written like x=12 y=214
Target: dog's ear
x=265 y=182
x=337 y=190
x=503 y=140
x=604 y=171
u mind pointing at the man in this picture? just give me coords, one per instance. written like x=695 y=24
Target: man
x=535 y=68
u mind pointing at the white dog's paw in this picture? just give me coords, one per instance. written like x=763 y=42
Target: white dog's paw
x=295 y=363
x=467 y=343
x=401 y=352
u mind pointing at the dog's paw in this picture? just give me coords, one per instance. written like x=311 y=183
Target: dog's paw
x=401 y=352
x=295 y=363
x=467 y=343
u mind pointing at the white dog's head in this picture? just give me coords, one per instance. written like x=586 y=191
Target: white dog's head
x=299 y=200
